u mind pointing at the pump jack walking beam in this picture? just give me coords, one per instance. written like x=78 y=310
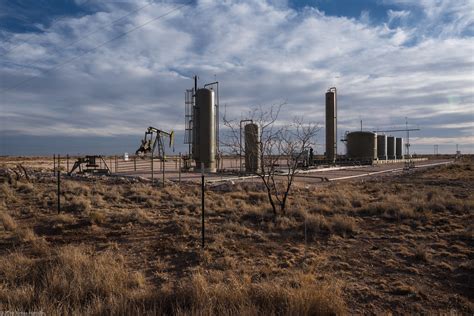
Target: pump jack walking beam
x=154 y=138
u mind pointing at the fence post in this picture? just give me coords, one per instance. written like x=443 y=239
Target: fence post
x=116 y=163
x=202 y=205
x=179 y=168
x=59 y=162
x=152 y=168
x=67 y=162
x=54 y=162
x=164 y=162
x=59 y=191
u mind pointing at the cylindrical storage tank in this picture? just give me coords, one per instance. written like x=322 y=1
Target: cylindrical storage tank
x=382 y=147
x=391 y=151
x=399 y=147
x=252 y=147
x=204 y=146
x=331 y=125
x=362 y=145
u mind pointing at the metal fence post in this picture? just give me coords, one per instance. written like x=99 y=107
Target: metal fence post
x=152 y=167
x=179 y=168
x=164 y=171
x=54 y=162
x=202 y=205
x=116 y=163
x=67 y=162
x=59 y=191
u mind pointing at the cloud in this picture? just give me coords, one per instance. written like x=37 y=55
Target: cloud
x=261 y=52
x=397 y=15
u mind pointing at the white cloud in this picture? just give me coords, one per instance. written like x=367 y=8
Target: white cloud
x=261 y=53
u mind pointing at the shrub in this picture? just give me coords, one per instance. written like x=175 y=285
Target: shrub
x=25 y=187
x=315 y=224
x=343 y=225
x=78 y=204
x=97 y=217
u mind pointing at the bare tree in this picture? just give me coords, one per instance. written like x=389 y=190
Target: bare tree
x=283 y=151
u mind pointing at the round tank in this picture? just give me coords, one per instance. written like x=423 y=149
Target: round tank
x=252 y=147
x=382 y=147
x=362 y=145
x=204 y=130
x=331 y=124
x=399 y=147
x=391 y=151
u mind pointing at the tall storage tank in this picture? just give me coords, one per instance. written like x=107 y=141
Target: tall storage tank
x=362 y=145
x=382 y=147
x=331 y=124
x=252 y=147
x=204 y=130
x=391 y=151
x=399 y=147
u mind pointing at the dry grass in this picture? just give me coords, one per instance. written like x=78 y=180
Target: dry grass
x=78 y=204
x=343 y=225
x=8 y=222
x=230 y=294
x=71 y=280
x=25 y=187
x=128 y=248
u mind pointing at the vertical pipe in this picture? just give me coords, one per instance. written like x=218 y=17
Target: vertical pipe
x=59 y=191
x=67 y=162
x=54 y=162
x=202 y=205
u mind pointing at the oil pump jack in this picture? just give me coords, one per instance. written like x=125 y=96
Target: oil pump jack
x=155 y=138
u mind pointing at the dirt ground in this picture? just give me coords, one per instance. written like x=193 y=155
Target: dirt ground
x=397 y=243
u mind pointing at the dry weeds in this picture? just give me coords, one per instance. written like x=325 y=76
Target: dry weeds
x=406 y=247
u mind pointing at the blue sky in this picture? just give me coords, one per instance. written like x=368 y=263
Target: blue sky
x=63 y=77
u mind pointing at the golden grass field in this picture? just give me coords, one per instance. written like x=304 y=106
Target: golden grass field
x=394 y=244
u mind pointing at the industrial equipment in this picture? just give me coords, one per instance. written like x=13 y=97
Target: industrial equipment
x=94 y=164
x=391 y=150
x=399 y=147
x=361 y=145
x=331 y=124
x=382 y=147
x=154 y=138
x=252 y=148
x=202 y=125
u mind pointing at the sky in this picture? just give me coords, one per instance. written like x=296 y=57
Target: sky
x=89 y=76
